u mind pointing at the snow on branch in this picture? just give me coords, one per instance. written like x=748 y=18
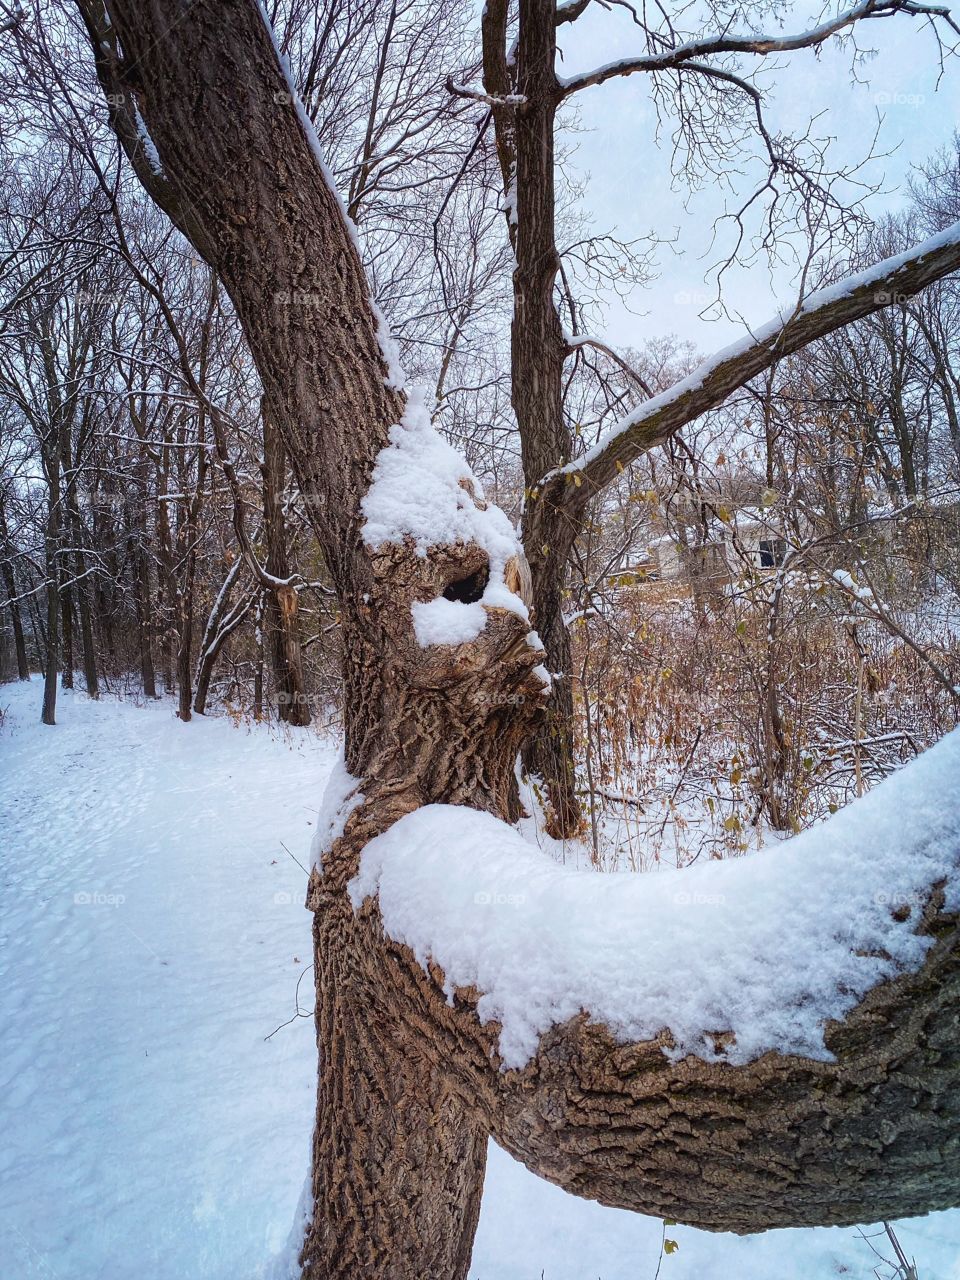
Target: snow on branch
x=888 y=283
x=769 y=946
x=758 y=45
x=570 y=10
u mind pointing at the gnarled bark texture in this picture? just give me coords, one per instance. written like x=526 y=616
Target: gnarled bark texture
x=409 y=1084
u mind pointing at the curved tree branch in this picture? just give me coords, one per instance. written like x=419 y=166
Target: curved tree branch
x=733 y=1133
x=758 y=45
x=887 y=283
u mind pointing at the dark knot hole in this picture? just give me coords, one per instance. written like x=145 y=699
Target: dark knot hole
x=468 y=590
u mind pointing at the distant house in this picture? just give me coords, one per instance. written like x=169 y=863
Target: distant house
x=752 y=538
x=756 y=534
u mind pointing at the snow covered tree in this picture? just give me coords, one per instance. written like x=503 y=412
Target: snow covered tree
x=805 y=1069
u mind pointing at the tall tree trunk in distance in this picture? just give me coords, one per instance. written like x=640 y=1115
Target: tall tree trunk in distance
x=525 y=145
x=221 y=624
x=66 y=618
x=10 y=586
x=282 y=624
x=88 y=648
x=208 y=658
x=74 y=565
x=36 y=623
x=141 y=595
x=188 y=535
x=51 y=555
x=166 y=594
x=261 y=608
x=184 y=675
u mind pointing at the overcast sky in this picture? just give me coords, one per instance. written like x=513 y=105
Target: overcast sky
x=629 y=190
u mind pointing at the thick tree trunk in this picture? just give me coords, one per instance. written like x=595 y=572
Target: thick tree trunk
x=282 y=625
x=525 y=144
x=780 y=1141
x=398 y=1159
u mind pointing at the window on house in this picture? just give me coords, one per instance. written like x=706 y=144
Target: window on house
x=773 y=552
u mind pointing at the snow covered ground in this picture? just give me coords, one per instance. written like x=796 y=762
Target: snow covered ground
x=152 y=935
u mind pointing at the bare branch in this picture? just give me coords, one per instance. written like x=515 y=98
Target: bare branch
x=890 y=281
x=757 y=45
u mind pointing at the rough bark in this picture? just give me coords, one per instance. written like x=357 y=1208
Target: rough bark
x=781 y=1141
x=398 y=1157
x=525 y=146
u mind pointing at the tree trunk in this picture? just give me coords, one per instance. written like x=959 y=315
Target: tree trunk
x=10 y=586
x=398 y=1159
x=167 y=593
x=83 y=601
x=258 y=657
x=141 y=595
x=220 y=626
x=51 y=552
x=66 y=619
x=283 y=628
x=188 y=533
x=185 y=653
x=525 y=144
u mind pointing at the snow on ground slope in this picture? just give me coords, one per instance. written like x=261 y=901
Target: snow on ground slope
x=151 y=937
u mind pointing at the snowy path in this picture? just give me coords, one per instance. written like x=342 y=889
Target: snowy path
x=151 y=936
